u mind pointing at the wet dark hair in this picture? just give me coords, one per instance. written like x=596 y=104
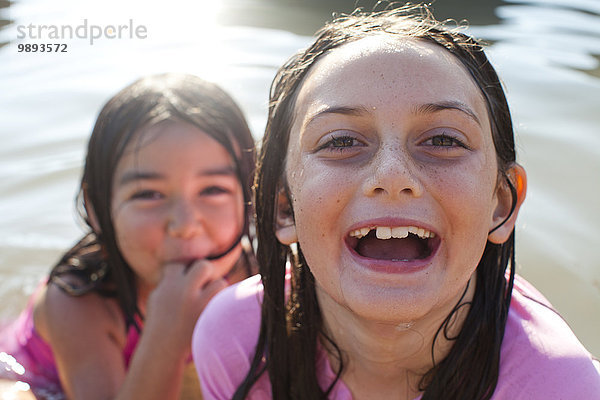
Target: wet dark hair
x=95 y=262
x=292 y=325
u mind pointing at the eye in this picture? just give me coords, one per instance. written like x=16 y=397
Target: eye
x=147 y=195
x=214 y=191
x=444 y=140
x=340 y=143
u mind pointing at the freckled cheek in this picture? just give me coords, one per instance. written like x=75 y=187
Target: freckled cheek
x=318 y=201
x=467 y=201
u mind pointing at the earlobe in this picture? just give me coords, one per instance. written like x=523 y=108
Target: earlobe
x=503 y=221
x=285 y=227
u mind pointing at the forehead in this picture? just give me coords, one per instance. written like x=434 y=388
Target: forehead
x=386 y=73
x=170 y=143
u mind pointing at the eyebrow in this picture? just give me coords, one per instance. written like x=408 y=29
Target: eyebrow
x=344 y=110
x=428 y=108
x=431 y=108
x=137 y=175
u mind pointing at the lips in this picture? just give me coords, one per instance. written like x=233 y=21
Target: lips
x=393 y=243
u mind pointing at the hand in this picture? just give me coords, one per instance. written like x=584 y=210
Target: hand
x=176 y=303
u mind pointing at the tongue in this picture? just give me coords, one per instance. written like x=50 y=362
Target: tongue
x=409 y=248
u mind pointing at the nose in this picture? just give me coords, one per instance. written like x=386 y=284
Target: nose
x=393 y=173
x=184 y=220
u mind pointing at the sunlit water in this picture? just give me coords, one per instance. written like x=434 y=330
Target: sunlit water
x=544 y=51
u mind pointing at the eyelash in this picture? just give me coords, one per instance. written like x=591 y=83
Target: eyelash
x=445 y=137
x=330 y=145
x=147 y=195
x=214 y=191
x=155 y=195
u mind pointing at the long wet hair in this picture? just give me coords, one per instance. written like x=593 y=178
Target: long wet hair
x=95 y=263
x=291 y=324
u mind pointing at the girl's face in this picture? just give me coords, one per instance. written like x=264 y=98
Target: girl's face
x=391 y=138
x=176 y=198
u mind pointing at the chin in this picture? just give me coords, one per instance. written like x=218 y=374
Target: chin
x=394 y=305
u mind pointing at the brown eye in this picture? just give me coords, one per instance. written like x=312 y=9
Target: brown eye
x=340 y=143
x=443 y=140
x=344 y=141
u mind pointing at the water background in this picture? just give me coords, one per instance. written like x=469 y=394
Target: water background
x=546 y=52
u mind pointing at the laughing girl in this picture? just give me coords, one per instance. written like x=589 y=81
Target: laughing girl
x=388 y=183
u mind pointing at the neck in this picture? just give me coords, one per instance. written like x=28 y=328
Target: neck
x=389 y=358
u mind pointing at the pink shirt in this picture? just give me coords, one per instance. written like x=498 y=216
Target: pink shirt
x=540 y=358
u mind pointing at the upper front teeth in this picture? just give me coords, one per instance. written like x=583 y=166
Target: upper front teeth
x=398 y=232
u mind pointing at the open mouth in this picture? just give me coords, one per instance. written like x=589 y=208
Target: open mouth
x=399 y=243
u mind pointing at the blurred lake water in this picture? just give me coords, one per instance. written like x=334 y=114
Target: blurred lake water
x=546 y=52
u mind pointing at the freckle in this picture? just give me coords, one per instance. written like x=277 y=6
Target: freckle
x=337 y=201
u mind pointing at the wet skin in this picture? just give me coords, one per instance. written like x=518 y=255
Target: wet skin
x=391 y=134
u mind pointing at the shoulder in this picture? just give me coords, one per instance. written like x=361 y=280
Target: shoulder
x=59 y=316
x=84 y=332
x=541 y=357
x=225 y=337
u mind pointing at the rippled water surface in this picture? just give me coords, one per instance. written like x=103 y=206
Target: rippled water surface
x=545 y=51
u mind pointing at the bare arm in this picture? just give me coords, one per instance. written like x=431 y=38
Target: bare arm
x=157 y=368
x=88 y=336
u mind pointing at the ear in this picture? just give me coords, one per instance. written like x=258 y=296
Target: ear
x=500 y=231
x=285 y=227
x=91 y=214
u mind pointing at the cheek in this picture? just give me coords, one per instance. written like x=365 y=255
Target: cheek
x=226 y=221
x=471 y=184
x=466 y=198
x=136 y=231
x=318 y=198
x=463 y=194
x=223 y=229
